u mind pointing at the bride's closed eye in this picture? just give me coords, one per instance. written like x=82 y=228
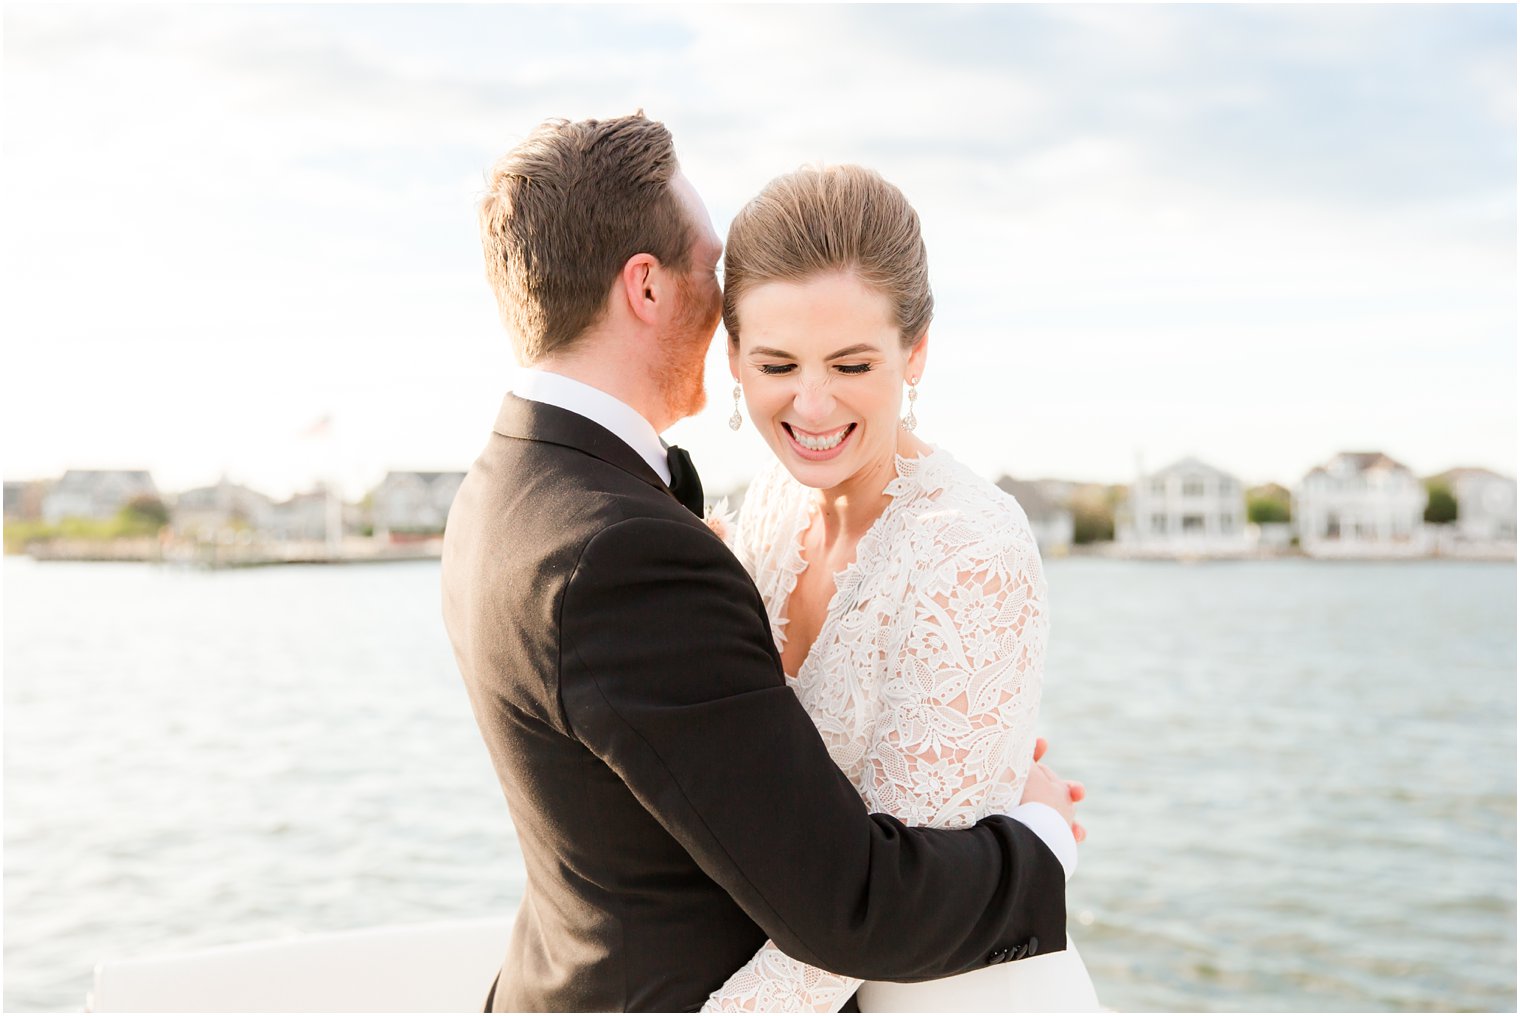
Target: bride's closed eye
x=777 y=369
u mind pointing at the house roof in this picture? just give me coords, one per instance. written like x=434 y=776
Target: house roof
x=426 y=477
x=216 y=494
x=1190 y=465
x=89 y=479
x=1474 y=472
x=1360 y=462
x=1029 y=496
x=421 y=475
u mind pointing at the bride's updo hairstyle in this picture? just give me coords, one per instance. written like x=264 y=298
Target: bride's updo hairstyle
x=827 y=219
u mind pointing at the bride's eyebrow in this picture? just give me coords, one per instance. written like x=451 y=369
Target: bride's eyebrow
x=781 y=354
x=859 y=347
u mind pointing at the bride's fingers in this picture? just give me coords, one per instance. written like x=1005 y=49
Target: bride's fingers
x=1040 y=746
x=1078 y=791
x=1079 y=831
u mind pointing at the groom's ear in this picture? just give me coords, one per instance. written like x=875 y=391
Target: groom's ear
x=639 y=285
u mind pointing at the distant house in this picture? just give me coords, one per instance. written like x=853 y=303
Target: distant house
x=1049 y=519
x=225 y=505
x=23 y=499
x=303 y=517
x=1485 y=504
x=95 y=493
x=1360 y=504
x=1188 y=509
x=413 y=502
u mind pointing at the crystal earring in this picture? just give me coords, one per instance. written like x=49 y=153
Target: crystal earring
x=910 y=421
x=736 y=421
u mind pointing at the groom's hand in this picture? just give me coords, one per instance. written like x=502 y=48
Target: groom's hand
x=1045 y=787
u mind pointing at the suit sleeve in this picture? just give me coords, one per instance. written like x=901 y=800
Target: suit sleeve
x=669 y=675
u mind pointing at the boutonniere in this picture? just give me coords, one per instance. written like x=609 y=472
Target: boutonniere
x=719 y=519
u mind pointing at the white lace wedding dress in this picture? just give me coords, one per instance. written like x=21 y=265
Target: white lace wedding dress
x=925 y=684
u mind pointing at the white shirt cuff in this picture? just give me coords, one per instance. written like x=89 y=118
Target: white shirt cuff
x=1052 y=829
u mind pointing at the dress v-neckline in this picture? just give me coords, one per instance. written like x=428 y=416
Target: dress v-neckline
x=809 y=509
x=844 y=579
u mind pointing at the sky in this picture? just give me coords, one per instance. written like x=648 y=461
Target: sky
x=1258 y=235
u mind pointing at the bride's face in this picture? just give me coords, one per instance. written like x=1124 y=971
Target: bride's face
x=823 y=366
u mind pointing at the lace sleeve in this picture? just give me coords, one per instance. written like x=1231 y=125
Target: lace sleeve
x=954 y=740
x=774 y=982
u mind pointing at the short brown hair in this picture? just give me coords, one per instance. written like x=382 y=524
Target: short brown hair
x=827 y=219
x=564 y=211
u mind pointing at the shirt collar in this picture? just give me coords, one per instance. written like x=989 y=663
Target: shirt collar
x=600 y=408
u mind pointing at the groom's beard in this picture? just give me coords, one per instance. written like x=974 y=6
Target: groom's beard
x=682 y=376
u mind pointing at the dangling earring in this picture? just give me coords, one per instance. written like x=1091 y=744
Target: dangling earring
x=736 y=421
x=910 y=421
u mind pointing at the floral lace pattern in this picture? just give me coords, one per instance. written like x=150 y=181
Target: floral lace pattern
x=924 y=681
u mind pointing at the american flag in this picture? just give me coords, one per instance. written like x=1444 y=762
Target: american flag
x=320 y=428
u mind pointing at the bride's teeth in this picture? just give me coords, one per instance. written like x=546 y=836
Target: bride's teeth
x=820 y=444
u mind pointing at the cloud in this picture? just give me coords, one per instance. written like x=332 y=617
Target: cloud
x=258 y=200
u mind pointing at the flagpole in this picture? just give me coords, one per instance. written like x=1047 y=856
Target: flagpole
x=332 y=516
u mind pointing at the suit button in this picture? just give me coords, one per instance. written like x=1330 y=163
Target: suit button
x=1018 y=953
x=997 y=955
x=1034 y=945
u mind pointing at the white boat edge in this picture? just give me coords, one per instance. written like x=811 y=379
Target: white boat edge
x=443 y=966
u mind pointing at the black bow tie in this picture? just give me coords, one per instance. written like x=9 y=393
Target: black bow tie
x=685 y=484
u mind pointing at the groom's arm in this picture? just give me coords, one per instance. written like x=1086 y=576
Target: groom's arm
x=669 y=675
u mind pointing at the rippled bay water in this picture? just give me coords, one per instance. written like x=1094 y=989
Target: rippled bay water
x=1302 y=774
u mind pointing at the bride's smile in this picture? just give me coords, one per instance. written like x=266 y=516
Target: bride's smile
x=818 y=447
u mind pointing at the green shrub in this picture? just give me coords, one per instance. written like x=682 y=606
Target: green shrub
x=1441 y=508
x=1262 y=510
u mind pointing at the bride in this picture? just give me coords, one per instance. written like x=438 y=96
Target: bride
x=905 y=592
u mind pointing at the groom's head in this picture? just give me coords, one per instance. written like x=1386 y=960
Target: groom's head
x=565 y=212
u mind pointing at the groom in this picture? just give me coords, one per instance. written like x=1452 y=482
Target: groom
x=674 y=804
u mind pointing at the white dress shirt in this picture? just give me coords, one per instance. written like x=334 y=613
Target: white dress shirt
x=639 y=434
x=600 y=408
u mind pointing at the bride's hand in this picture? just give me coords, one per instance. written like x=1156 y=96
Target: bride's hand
x=1045 y=787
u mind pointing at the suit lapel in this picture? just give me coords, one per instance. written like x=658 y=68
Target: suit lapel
x=538 y=421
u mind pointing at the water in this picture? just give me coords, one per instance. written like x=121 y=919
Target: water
x=1302 y=775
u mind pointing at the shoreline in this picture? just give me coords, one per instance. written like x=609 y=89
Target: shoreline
x=216 y=556
x=372 y=551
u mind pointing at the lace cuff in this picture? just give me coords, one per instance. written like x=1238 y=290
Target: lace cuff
x=774 y=982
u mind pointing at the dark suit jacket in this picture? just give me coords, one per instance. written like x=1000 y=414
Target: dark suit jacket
x=674 y=804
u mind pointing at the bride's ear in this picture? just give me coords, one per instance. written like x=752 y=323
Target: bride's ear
x=918 y=357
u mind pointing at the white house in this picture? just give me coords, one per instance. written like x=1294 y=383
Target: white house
x=1485 y=504
x=225 y=505
x=95 y=493
x=413 y=502
x=1361 y=504
x=309 y=516
x=23 y=499
x=1188 y=509
x=1050 y=520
